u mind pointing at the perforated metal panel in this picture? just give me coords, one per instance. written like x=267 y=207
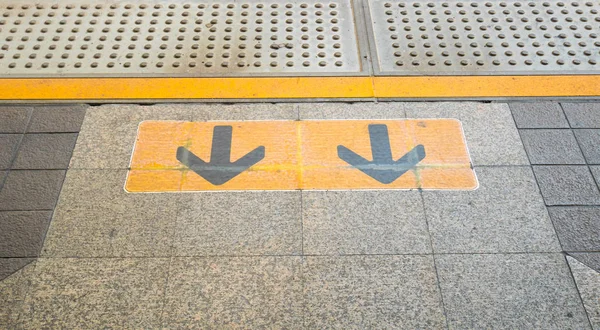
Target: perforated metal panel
x=486 y=37
x=190 y=38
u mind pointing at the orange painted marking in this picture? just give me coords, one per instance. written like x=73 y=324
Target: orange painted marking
x=156 y=150
x=445 y=166
x=300 y=155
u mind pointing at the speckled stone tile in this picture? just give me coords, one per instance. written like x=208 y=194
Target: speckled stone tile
x=96 y=293
x=13 y=290
x=372 y=292
x=490 y=131
x=95 y=217
x=239 y=223
x=358 y=110
x=516 y=291
x=364 y=222
x=506 y=214
x=244 y=111
x=588 y=283
x=245 y=293
x=108 y=133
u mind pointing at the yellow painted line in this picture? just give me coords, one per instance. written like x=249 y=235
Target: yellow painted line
x=298 y=87
x=486 y=86
x=298 y=155
x=184 y=88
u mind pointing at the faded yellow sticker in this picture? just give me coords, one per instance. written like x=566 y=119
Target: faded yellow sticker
x=289 y=155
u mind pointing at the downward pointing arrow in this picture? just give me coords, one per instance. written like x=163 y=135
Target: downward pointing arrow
x=220 y=169
x=383 y=168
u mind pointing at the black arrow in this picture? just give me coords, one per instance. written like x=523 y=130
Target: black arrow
x=383 y=168
x=220 y=169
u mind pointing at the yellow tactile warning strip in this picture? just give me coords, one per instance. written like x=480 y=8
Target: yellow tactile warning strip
x=81 y=89
x=289 y=155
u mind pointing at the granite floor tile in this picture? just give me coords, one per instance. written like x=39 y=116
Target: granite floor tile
x=582 y=115
x=360 y=110
x=364 y=222
x=506 y=214
x=45 y=151
x=372 y=292
x=13 y=289
x=108 y=133
x=595 y=169
x=567 y=185
x=96 y=293
x=241 y=111
x=588 y=283
x=589 y=140
x=22 y=233
x=490 y=131
x=31 y=190
x=245 y=293
x=2 y=177
x=578 y=228
x=8 y=147
x=95 y=217
x=516 y=291
x=239 y=223
x=590 y=259
x=538 y=115
x=14 y=119
x=57 y=118
x=551 y=146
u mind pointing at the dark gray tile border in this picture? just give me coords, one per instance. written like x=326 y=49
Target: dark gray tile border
x=2 y=177
x=11 y=265
x=590 y=259
x=57 y=119
x=578 y=228
x=14 y=119
x=45 y=151
x=595 y=169
x=22 y=233
x=8 y=147
x=589 y=141
x=567 y=185
x=31 y=190
x=551 y=146
x=538 y=115
x=588 y=285
x=582 y=115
